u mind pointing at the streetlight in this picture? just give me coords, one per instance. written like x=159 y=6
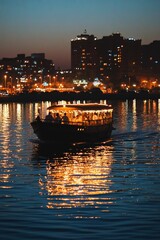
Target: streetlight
x=41 y=81
x=49 y=77
x=5 y=81
x=129 y=82
x=11 y=83
x=54 y=80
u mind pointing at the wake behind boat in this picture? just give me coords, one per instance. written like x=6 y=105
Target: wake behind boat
x=74 y=123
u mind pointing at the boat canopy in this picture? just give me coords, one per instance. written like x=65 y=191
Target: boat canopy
x=80 y=107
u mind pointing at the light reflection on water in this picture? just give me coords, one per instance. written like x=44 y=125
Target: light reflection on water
x=107 y=190
x=78 y=180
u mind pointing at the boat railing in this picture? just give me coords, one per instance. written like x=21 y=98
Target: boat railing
x=97 y=122
x=86 y=122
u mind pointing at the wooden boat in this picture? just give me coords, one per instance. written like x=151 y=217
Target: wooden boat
x=87 y=123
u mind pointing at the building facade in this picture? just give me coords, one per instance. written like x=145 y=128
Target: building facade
x=25 y=70
x=84 y=56
x=111 y=58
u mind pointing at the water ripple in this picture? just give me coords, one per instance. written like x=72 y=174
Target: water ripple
x=107 y=190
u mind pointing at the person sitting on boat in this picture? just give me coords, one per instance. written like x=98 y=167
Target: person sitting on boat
x=57 y=119
x=95 y=116
x=65 y=119
x=78 y=118
x=38 y=119
x=49 y=117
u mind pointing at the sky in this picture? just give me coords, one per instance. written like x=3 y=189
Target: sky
x=35 y=26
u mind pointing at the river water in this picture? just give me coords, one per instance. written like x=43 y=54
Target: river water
x=108 y=190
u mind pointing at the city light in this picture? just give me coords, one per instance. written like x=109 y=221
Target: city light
x=119 y=63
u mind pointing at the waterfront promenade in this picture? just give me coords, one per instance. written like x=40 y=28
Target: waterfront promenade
x=71 y=96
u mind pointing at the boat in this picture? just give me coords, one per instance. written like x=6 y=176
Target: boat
x=89 y=122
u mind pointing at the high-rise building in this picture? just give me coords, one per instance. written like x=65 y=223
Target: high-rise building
x=151 y=59
x=109 y=51
x=83 y=56
x=131 y=60
x=111 y=57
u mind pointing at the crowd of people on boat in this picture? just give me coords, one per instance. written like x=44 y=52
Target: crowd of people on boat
x=64 y=119
x=57 y=119
x=87 y=119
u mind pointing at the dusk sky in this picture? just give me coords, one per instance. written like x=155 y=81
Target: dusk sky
x=34 y=26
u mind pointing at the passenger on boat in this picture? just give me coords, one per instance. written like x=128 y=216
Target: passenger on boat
x=65 y=119
x=49 y=117
x=38 y=119
x=95 y=116
x=57 y=119
x=78 y=118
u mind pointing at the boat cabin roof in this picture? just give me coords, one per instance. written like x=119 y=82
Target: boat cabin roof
x=81 y=107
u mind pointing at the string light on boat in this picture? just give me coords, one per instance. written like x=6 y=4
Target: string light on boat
x=80 y=129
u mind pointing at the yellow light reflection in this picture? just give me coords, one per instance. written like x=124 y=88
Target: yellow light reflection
x=134 y=115
x=6 y=167
x=79 y=181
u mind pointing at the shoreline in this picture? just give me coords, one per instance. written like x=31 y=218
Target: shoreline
x=73 y=96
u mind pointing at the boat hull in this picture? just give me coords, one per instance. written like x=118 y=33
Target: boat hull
x=61 y=133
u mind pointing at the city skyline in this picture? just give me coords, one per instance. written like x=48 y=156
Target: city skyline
x=48 y=26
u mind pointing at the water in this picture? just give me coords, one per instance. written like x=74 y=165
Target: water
x=108 y=190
